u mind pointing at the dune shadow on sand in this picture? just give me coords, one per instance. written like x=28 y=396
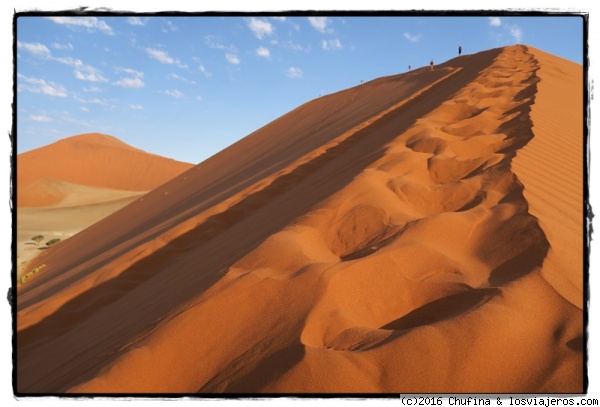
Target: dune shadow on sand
x=266 y=371
x=443 y=308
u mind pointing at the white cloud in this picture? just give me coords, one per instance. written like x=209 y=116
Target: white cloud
x=263 y=52
x=82 y=71
x=91 y=23
x=174 y=93
x=36 y=85
x=294 y=72
x=131 y=72
x=136 y=21
x=232 y=59
x=163 y=57
x=260 y=28
x=495 y=21
x=412 y=38
x=42 y=51
x=278 y=18
x=56 y=45
x=35 y=48
x=510 y=34
x=202 y=69
x=40 y=118
x=136 y=107
x=516 y=33
x=331 y=44
x=75 y=63
x=319 y=23
x=84 y=109
x=182 y=79
x=199 y=98
x=89 y=75
x=135 y=82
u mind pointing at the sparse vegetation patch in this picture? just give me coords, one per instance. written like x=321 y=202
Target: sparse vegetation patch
x=52 y=241
x=24 y=278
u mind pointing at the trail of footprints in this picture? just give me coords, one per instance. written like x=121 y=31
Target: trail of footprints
x=446 y=208
x=435 y=227
x=453 y=160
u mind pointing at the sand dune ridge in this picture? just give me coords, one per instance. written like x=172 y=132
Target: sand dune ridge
x=351 y=260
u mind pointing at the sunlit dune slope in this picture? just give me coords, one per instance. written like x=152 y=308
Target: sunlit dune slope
x=551 y=168
x=93 y=160
x=379 y=239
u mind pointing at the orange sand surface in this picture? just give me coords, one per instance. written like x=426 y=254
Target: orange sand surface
x=417 y=233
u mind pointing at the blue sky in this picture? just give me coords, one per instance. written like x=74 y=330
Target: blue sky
x=187 y=87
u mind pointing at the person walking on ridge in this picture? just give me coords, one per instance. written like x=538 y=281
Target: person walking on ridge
x=459 y=50
x=431 y=64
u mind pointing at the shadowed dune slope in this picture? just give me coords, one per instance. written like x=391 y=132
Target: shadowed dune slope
x=379 y=239
x=93 y=160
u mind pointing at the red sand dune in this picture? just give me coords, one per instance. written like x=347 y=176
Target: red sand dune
x=392 y=237
x=94 y=159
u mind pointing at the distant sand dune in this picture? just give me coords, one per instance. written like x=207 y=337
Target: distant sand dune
x=93 y=160
x=70 y=195
x=392 y=237
x=71 y=184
